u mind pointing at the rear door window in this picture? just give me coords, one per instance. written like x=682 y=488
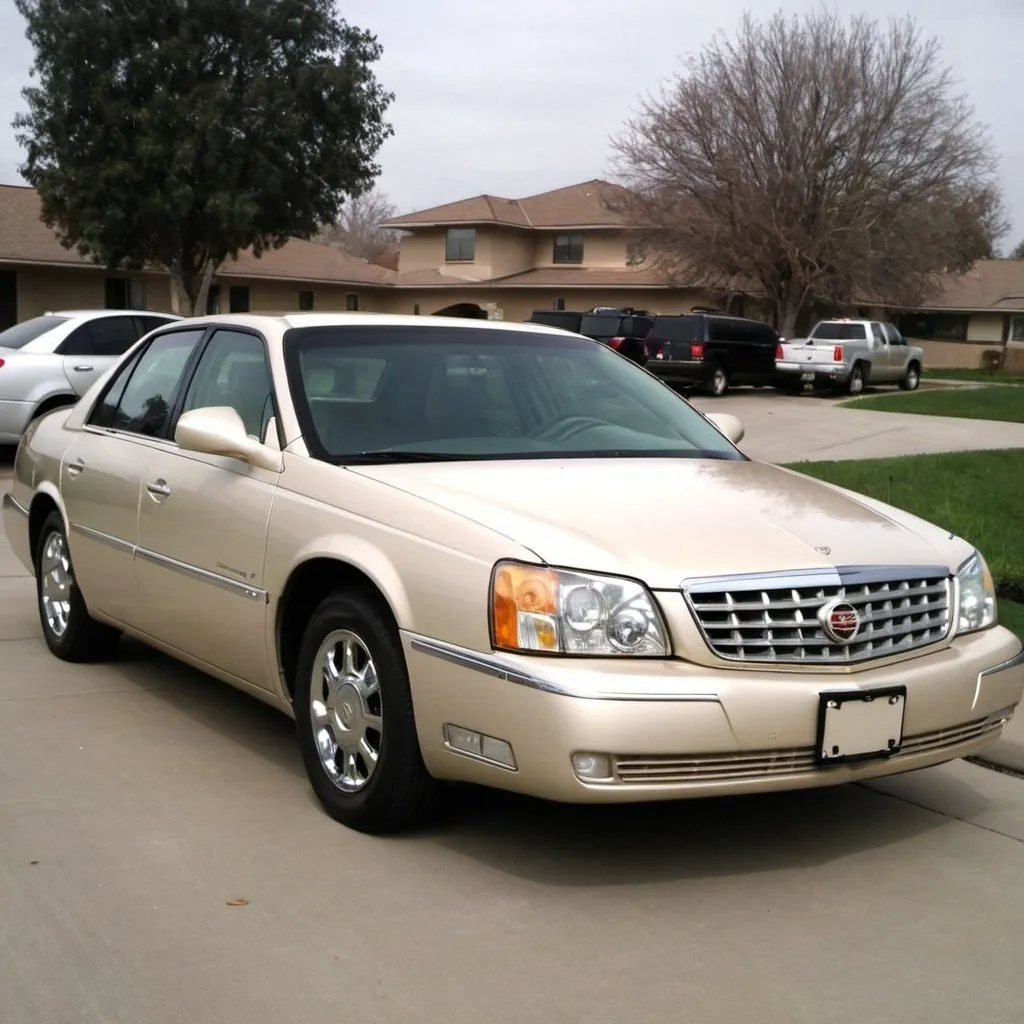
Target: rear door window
x=113 y=335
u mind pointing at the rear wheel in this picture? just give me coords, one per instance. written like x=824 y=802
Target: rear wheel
x=912 y=378
x=855 y=383
x=354 y=715
x=718 y=385
x=70 y=632
x=789 y=385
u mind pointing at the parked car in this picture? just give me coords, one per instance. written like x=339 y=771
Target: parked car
x=406 y=532
x=623 y=330
x=847 y=354
x=712 y=351
x=51 y=360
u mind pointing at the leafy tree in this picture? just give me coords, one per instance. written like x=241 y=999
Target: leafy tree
x=1017 y=253
x=180 y=132
x=358 y=229
x=814 y=160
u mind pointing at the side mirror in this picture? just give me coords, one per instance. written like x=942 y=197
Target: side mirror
x=219 y=430
x=729 y=425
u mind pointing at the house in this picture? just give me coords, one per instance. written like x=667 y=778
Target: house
x=37 y=273
x=486 y=256
x=503 y=258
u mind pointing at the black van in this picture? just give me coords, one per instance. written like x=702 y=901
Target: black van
x=712 y=351
x=623 y=330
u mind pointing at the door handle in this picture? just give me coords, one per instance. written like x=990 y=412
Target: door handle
x=158 y=488
x=82 y=368
x=76 y=467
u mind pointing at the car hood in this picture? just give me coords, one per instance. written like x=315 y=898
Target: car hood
x=664 y=520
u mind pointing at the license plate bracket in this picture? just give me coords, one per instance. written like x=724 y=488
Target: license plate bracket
x=860 y=725
x=807 y=376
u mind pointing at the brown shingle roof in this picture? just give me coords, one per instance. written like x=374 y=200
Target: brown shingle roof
x=989 y=284
x=24 y=238
x=574 y=206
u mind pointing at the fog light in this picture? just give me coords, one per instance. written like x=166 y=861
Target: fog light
x=592 y=767
x=476 y=744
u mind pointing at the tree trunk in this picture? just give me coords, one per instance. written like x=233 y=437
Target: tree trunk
x=788 y=311
x=177 y=288
x=199 y=306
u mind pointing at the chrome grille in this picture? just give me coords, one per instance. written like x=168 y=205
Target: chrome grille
x=673 y=769
x=775 y=619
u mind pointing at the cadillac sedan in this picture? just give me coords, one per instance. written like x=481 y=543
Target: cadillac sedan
x=407 y=533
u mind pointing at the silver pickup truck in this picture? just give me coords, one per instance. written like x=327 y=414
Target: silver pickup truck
x=847 y=354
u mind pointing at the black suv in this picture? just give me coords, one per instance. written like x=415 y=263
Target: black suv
x=711 y=350
x=624 y=330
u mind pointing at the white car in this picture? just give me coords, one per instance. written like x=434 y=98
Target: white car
x=52 y=360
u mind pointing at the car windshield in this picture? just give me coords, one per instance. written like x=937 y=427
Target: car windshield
x=403 y=394
x=830 y=330
x=28 y=330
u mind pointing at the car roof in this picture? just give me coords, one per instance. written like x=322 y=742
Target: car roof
x=288 y=321
x=92 y=314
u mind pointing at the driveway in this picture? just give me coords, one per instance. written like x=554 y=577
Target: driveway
x=140 y=800
x=787 y=428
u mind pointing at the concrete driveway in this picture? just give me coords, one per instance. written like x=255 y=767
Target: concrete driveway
x=140 y=799
x=787 y=428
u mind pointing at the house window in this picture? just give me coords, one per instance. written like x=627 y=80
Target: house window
x=416 y=309
x=460 y=245
x=1016 y=328
x=238 y=299
x=933 y=326
x=351 y=302
x=559 y=303
x=124 y=293
x=213 y=300
x=305 y=301
x=568 y=248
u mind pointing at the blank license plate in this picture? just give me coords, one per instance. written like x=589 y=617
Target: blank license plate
x=807 y=376
x=858 y=724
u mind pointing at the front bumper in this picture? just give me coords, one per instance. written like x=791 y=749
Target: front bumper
x=14 y=418
x=674 y=729
x=817 y=373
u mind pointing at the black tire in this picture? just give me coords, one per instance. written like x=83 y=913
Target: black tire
x=790 y=386
x=82 y=638
x=912 y=378
x=718 y=383
x=399 y=794
x=855 y=382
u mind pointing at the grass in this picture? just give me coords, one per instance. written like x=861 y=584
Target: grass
x=1011 y=616
x=976 y=495
x=995 y=403
x=981 y=376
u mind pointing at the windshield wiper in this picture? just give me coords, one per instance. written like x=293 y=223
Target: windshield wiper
x=390 y=455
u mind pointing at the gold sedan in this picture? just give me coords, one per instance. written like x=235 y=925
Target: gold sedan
x=498 y=553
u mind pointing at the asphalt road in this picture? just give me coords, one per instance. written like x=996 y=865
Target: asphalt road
x=140 y=800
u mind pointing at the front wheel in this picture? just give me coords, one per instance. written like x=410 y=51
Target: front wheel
x=354 y=715
x=70 y=632
x=912 y=378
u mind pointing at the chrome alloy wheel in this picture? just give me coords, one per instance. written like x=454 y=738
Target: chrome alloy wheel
x=56 y=580
x=345 y=708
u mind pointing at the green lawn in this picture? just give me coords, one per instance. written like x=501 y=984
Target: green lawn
x=1012 y=617
x=973 y=404
x=977 y=495
x=982 y=376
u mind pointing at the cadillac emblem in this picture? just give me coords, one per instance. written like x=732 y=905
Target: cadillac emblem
x=840 y=621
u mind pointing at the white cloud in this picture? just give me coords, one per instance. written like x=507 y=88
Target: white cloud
x=520 y=96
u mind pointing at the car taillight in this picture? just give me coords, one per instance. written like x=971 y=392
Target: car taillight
x=837 y=354
x=779 y=354
x=616 y=342
x=1 y=362
x=696 y=350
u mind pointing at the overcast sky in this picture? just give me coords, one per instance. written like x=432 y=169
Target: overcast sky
x=518 y=96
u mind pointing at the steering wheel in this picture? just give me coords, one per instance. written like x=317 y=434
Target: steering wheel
x=563 y=429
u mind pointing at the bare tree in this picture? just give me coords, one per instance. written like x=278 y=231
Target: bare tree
x=812 y=160
x=358 y=229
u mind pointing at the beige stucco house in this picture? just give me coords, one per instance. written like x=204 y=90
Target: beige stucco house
x=485 y=256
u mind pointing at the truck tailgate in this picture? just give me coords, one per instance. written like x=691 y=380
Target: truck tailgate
x=810 y=353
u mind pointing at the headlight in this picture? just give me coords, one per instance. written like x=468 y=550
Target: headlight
x=534 y=608
x=977 y=596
